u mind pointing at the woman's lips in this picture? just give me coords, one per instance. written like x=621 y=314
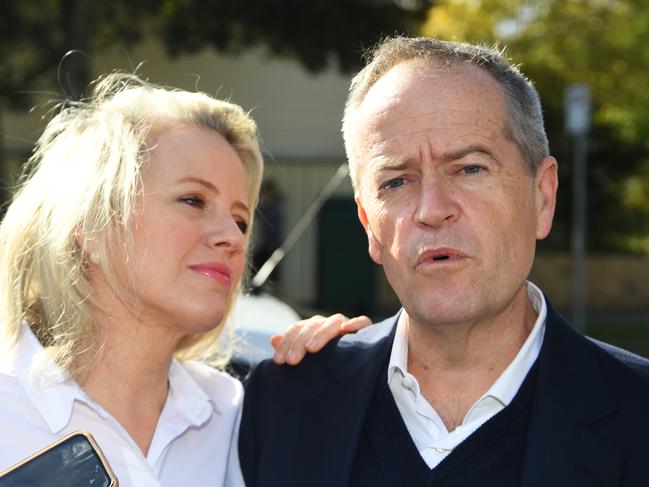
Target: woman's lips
x=214 y=270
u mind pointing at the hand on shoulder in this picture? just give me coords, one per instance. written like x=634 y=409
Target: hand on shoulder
x=312 y=334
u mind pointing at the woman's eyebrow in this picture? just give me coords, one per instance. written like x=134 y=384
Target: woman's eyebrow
x=203 y=182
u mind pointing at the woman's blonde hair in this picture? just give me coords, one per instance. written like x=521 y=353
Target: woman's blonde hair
x=79 y=185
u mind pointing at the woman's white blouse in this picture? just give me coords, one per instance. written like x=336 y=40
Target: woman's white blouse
x=189 y=447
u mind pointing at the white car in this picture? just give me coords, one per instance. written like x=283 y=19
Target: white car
x=254 y=319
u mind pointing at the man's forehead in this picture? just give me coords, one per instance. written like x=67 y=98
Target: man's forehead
x=414 y=80
x=416 y=107
x=416 y=96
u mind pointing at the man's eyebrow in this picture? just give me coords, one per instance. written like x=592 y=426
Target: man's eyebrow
x=209 y=186
x=390 y=165
x=454 y=155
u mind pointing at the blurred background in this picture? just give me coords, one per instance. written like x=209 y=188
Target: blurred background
x=290 y=62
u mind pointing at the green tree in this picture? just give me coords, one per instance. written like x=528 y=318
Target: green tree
x=36 y=35
x=314 y=32
x=601 y=43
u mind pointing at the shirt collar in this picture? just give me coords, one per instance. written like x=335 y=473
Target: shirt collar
x=52 y=391
x=398 y=363
x=508 y=383
x=188 y=397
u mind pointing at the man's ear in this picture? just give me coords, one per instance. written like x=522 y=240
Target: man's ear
x=546 y=183
x=374 y=246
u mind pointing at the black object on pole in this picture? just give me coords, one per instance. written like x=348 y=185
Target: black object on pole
x=577 y=110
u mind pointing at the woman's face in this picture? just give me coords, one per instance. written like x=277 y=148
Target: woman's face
x=188 y=231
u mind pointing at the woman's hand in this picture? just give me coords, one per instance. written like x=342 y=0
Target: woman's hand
x=311 y=335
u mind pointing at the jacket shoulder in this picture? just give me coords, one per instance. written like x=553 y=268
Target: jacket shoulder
x=347 y=349
x=315 y=369
x=623 y=359
x=622 y=367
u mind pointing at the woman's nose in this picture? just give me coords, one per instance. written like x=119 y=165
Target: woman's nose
x=225 y=232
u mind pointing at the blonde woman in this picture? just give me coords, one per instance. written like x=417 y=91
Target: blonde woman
x=120 y=256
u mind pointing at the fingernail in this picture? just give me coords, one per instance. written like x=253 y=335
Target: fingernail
x=312 y=343
x=292 y=356
x=279 y=357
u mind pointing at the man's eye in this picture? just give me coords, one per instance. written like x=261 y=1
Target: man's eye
x=392 y=184
x=193 y=201
x=471 y=169
x=243 y=226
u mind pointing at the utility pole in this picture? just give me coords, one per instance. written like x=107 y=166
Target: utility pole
x=578 y=114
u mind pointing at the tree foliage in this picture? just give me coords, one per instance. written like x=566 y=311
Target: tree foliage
x=601 y=43
x=313 y=32
x=36 y=35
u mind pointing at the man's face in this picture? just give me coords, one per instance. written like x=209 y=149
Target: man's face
x=450 y=210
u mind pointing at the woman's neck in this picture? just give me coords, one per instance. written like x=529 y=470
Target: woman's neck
x=129 y=377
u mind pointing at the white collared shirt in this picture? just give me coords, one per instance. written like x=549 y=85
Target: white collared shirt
x=190 y=444
x=425 y=426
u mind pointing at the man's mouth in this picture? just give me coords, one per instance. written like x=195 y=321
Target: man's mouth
x=439 y=255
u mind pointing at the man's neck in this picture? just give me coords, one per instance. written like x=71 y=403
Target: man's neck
x=455 y=364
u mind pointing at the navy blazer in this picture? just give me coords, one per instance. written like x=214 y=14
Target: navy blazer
x=589 y=424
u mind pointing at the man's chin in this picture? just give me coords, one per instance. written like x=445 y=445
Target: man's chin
x=443 y=311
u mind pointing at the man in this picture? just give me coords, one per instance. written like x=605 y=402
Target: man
x=477 y=381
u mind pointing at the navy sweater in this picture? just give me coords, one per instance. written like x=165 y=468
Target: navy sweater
x=491 y=456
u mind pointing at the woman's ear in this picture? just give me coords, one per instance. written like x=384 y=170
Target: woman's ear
x=87 y=247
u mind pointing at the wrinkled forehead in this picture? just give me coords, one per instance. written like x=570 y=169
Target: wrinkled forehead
x=420 y=88
x=435 y=102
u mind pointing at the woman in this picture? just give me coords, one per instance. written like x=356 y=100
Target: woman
x=121 y=254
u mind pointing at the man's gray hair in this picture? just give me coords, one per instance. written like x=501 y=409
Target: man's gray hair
x=524 y=124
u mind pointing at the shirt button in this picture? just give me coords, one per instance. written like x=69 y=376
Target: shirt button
x=437 y=449
x=408 y=383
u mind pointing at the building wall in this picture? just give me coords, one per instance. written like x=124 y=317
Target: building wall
x=298 y=112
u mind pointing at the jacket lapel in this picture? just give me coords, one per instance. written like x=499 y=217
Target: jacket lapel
x=571 y=396
x=332 y=420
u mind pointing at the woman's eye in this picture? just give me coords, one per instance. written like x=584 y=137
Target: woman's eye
x=243 y=226
x=193 y=201
x=471 y=169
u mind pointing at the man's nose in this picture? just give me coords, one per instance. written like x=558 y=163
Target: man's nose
x=437 y=205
